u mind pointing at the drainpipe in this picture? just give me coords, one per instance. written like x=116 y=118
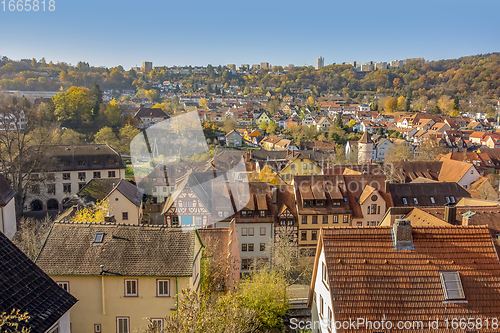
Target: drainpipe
x=177 y=292
x=3 y=220
x=103 y=294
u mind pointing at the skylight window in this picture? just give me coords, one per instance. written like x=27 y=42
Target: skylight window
x=432 y=200
x=452 y=285
x=452 y=198
x=447 y=199
x=415 y=201
x=99 y=237
x=405 y=201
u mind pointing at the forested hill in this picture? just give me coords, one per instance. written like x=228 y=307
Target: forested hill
x=466 y=77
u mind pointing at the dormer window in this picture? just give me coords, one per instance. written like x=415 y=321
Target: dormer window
x=99 y=237
x=320 y=203
x=308 y=203
x=452 y=285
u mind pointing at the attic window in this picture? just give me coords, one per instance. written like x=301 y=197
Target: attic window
x=98 y=238
x=415 y=201
x=432 y=200
x=405 y=201
x=447 y=199
x=452 y=285
x=452 y=198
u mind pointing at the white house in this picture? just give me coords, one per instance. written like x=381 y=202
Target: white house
x=380 y=148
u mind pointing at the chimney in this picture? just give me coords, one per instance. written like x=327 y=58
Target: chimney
x=450 y=213
x=402 y=235
x=467 y=218
x=274 y=194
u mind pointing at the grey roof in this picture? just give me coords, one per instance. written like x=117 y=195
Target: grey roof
x=126 y=250
x=130 y=191
x=26 y=287
x=6 y=192
x=84 y=157
x=423 y=193
x=151 y=112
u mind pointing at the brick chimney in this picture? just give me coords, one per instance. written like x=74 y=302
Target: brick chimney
x=450 y=213
x=467 y=218
x=402 y=235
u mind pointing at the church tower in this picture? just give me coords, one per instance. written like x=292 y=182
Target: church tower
x=365 y=149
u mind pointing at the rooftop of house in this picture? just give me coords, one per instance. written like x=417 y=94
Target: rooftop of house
x=371 y=277
x=452 y=170
x=125 y=250
x=151 y=112
x=24 y=286
x=426 y=194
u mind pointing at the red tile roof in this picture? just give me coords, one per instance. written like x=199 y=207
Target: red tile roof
x=370 y=279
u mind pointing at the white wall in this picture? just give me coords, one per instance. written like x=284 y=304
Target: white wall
x=63 y=324
x=470 y=177
x=8 y=219
x=321 y=290
x=256 y=239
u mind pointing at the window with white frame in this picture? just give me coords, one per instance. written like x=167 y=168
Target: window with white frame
x=163 y=288
x=64 y=285
x=250 y=231
x=130 y=287
x=97 y=328
x=157 y=325
x=122 y=325
x=243 y=231
x=452 y=285
x=262 y=231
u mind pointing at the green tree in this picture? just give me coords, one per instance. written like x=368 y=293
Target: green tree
x=112 y=114
x=72 y=108
x=408 y=101
x=263 y=125
x=271 y=128
x=126 y=135
x=436 y=109
x=264 y=292
x=106 y=136
x=96 y=99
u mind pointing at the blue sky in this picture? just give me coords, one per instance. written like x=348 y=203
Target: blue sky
x=110 y=32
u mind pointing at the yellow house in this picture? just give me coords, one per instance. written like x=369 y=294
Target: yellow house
x=122 y=275
x=299 y=165
x=124 y=199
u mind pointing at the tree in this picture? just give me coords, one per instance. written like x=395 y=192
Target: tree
x=113 y=114
x=398 y=152
x=271 y=128
x=408 y=101
x=69 y=137
x=23 y=147
x=92 y=213
x=391 y=104
x=310 y=101
x=436 y=109
x=203 y=103
x=9 y=322
x=264 y=292
x=73 y=108
x=337 y=124
x=401 y=103
x=96 y=96
x=229 y=124
x=429 y=150
x=31 y=235
x=126 y=135
x=351 y=123
x=397 y=83
x=263 y=125
x=198 y=313
x=106 y=136
x=272 y=106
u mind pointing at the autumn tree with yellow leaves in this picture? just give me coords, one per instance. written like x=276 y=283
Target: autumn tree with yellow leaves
x=92 y=214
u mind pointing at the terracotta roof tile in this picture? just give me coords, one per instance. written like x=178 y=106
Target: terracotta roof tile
x=373 y=279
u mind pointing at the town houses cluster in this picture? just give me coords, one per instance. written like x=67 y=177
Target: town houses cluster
x=411 y=239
